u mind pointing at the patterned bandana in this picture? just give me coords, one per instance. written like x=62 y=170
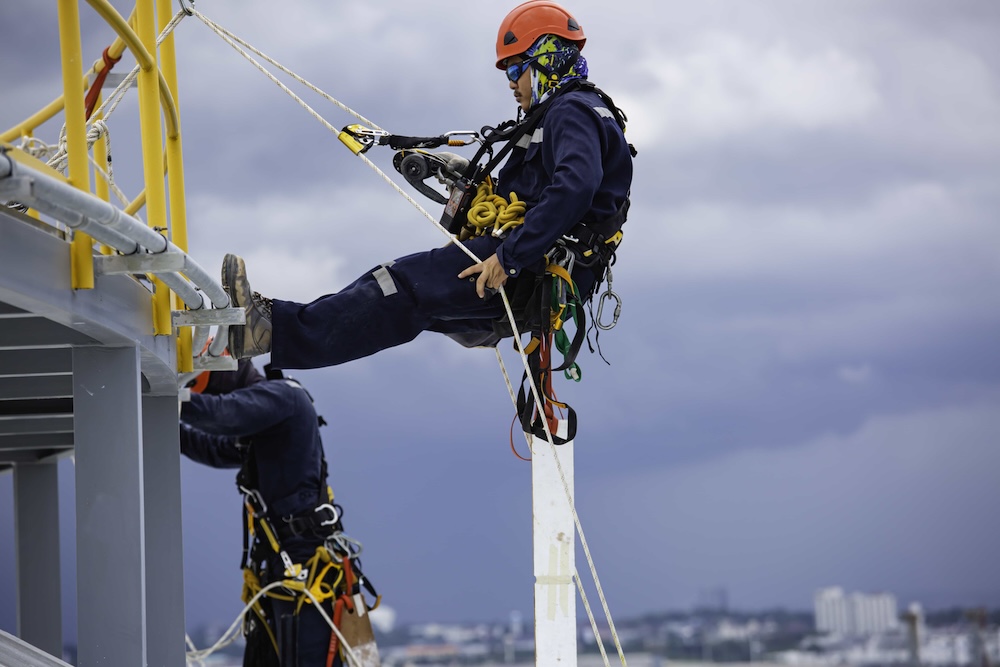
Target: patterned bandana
x=558 y=63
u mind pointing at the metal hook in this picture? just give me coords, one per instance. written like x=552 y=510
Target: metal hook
x=184 y=6
x=608 y=295
x=340 y=545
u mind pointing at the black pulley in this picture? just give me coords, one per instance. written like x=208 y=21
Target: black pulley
x=416 y=167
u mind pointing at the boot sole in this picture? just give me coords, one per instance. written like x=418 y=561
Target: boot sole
x=230 y=267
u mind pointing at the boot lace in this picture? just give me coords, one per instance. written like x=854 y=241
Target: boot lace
x=262 y=303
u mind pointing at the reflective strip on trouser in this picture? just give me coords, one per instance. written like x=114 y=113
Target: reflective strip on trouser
x=365 y=317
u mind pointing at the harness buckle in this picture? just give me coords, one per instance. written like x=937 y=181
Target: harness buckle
x=333 y=511
x=292 y=570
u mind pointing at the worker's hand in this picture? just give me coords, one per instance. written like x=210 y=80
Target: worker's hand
x=491 y=276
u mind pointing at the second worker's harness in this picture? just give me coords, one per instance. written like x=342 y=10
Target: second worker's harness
x=332 y=574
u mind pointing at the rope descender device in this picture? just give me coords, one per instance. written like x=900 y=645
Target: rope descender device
x=417 y=165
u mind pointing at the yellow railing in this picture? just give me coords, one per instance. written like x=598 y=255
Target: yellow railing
x=159 y=122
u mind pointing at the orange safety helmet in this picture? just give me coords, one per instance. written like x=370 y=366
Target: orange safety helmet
x=529 y=21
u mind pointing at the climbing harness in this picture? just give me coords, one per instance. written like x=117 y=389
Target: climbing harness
x=541 y=304
x=332 y=575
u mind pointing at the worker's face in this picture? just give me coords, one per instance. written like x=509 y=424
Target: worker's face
x=522 y=86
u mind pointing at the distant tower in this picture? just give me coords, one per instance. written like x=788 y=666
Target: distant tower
x=914 y=618
x=832 y=612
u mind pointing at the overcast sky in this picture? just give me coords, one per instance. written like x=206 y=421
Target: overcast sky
x=804 y=382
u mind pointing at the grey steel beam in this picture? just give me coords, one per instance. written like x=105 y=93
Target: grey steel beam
x=15 y=363
x=36 y=332
x=36 y=424
x=36 y=536
x=11 y=443
x=118 y=311
x=31 y=456
x=53 y=407
x=111 y=590
x=13 y=651
x=7 y=310
x=164 y=547
x=36 y=386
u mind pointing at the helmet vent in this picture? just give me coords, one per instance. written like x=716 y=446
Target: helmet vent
x=509 y=38
x=572 y=24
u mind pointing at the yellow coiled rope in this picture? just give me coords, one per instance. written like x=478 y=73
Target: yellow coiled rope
x=493 y=212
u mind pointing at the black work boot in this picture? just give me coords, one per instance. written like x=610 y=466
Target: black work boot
x=254 y=337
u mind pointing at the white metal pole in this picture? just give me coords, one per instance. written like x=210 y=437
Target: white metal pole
x=554 y=539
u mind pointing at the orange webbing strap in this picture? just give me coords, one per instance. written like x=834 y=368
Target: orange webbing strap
x=95 y=88
x=545 y=363
x=344 y=600
x=338 y=612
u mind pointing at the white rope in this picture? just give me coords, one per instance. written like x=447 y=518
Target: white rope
x=593 y=623
x=234 y=42
x=106 y=170
x=229 y=636
x=228 y=35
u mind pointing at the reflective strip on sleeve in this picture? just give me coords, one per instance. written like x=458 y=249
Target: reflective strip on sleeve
x=385 y=280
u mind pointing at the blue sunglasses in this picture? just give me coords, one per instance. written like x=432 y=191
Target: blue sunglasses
x=515 y=71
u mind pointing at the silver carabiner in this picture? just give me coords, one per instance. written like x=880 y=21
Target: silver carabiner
x=339 y=545
x=608 y=295
x=472 y=135
x=184 y=6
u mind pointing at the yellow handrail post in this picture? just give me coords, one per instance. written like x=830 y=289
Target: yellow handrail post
x=175 y=172
x=101 y=187
x=152 y=153
x=81 y=252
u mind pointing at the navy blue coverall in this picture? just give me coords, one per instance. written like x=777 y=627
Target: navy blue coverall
x=276 y=418
x=575 y=167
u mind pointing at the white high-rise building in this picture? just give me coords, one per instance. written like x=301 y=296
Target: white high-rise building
x=854 y=614
x=832 y=613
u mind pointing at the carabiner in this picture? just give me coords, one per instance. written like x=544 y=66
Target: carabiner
x=184 y=6
x=254 y=495
x=608 y=295
x=340 y=546
x=472 y=134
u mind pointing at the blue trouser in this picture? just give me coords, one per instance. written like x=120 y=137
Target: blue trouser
x=389 y=306
x=310 y=641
